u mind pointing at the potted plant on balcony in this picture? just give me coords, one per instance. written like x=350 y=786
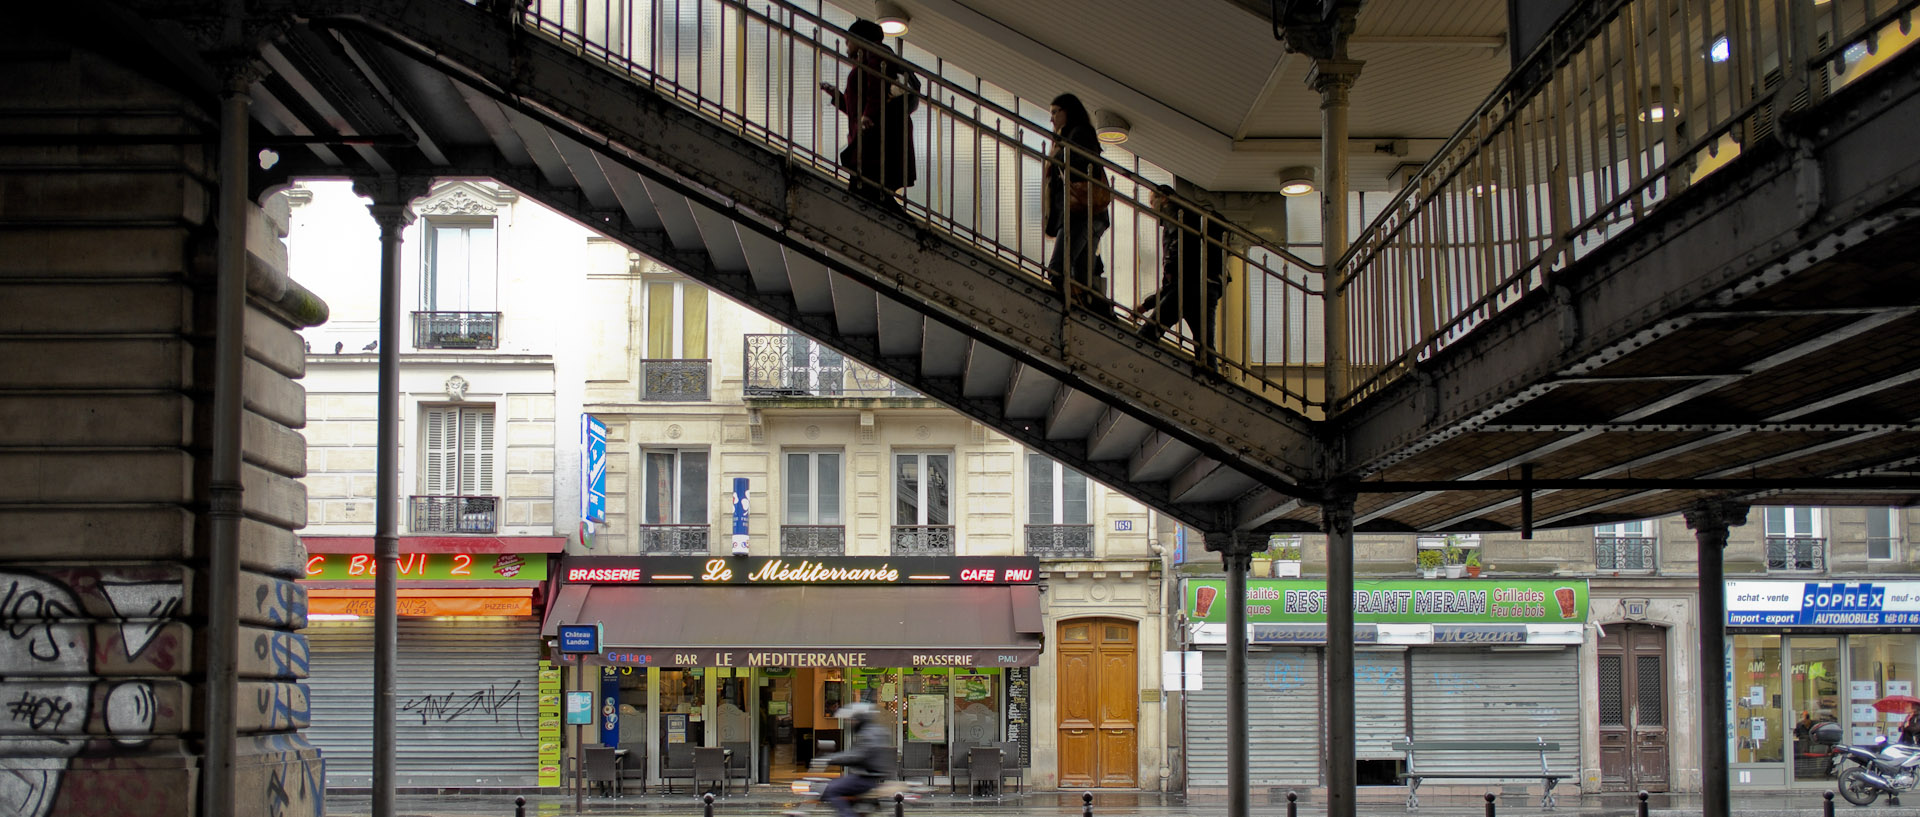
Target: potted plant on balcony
x=1286 y=560
x=1429 y=563
x=1473 y=563
x=1455 y=556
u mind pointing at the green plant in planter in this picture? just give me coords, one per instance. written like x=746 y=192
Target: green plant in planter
x=1473 y=558
x=1429 y=560
x=1287 y=553
x=1451 y=553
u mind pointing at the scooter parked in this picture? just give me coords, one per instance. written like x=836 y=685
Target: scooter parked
x=1881 y=767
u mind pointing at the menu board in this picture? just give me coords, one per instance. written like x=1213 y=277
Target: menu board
x=1020 y=710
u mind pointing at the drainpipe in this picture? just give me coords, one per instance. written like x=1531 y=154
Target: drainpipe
x=1710 y=521
x=1333 y=80
x=389 y=209
x=224 y=491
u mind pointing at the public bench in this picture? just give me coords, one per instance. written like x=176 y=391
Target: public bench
x=1414 y=776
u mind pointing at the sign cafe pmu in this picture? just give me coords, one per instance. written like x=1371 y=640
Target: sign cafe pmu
x=868 y=570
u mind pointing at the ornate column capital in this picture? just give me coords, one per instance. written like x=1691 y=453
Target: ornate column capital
x=1332 y=79
x=1714 y=517
x=392 y=199
x=1235 y=545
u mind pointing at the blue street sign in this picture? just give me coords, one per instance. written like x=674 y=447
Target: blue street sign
x=580 y=638
x=593 y=463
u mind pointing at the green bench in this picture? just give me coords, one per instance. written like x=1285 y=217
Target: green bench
x=1413 y=776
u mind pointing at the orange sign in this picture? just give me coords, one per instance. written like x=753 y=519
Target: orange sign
x=426 y=602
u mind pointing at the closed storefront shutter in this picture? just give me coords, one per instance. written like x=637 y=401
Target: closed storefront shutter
x=1379 y=703
x=467 y=702
x=1508 y=696
x=1283 y=717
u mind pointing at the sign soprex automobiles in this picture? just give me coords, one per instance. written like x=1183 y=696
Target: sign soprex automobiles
x=1416 y=601
x=1823 y=604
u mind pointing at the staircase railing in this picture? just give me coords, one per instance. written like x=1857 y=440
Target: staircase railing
x=758 y=66
x=1626 y=104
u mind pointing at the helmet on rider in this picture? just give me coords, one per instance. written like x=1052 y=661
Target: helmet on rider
x=860 y=712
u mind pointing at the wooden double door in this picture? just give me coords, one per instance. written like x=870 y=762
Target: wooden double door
x=1633 y=708
x=1099 y=703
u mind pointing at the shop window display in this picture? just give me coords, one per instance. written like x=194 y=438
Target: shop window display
x=1757 y=692
x=1878 y=666
x=1814 y=685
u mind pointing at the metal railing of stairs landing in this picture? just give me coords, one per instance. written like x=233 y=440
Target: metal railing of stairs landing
x=758 y=66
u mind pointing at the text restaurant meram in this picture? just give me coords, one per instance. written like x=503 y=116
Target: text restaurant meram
x=848 y=611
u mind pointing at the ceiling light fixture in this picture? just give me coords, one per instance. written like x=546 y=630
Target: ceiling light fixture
x=1111 y=127
x=1661 y=103
x=1296 y=180
x=1720 y=51
x=893 y=19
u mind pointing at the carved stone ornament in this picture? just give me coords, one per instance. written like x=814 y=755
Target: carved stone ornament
x=459 y=202
x=456 y=388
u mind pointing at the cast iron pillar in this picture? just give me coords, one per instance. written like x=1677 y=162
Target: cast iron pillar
x=1337 y=517
x=391 y=197
x=1236 y=553
x=1333 y=80
x=1710 y=521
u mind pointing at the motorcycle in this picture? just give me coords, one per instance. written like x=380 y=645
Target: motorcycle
x=1880 y=767
x=876 y=801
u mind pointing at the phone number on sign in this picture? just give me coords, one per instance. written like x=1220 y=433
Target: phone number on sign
x=1900 y=618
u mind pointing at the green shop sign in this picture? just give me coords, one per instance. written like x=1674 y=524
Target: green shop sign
x=432 y=566
x=1410 y=601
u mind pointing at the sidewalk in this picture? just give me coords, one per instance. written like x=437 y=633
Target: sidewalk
x=768 y=801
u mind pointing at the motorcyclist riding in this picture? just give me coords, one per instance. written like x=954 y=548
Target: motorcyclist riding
x=867 y=760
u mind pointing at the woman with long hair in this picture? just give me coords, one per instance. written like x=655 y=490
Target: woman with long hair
x=1075 y=204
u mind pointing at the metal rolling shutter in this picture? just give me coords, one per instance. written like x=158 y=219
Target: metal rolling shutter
x=1283 y=713
x=1515 y=696
x=467 y=701
x=1379 y=703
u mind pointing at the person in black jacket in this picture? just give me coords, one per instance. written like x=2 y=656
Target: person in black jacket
x=879 y=98
x=867 y=760
x=1910 y=728
x=1192 y=275
x=1076 y=203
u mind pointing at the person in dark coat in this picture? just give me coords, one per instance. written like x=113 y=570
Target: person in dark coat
x=1192 y=275
x=879 y=98
x=1076 y=201
x=867 y=760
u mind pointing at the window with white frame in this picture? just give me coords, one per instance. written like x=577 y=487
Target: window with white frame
x=675 y=491
x=1056 y=494
x=813 y=488
x=921 y=489
x=461 y=264
x=459 y=451
x=1624 y=546
x=1795 y=539
x=1883 y=534
x=676 y=321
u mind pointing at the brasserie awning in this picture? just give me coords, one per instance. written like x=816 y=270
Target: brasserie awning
x=808 y=626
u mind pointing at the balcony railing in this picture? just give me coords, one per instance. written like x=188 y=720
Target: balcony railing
x=1060 y=541
x=456 y=330
x=670 y=381
x=793 y=366
x=1623 y=106
x=454 y=514
x=1623 y=553
x=1796 y=553
x=923 y=540
x=813 y=540
x=674 y=540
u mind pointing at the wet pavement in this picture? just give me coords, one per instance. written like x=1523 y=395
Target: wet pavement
x=767 y=801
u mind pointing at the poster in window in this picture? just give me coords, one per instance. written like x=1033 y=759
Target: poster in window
x=927 y=718
x=973 y=688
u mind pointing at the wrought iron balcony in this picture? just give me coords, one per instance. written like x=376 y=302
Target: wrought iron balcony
x=454 y=514
x=674 y=380
x=793 y=366
x=456 y=330
x=923 y=540
x=1796 y=553
x=1623 y=553
x=1060 y=541
x=813 y=540
x=675 y=540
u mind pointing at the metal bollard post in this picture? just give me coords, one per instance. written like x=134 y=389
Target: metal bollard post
x=1490 y=799
x=519 y=807
x=1293 y=804
x=1643 y=803
x=899 y=804
x=1827 y=808
x=1086 y=804
x=708 y=799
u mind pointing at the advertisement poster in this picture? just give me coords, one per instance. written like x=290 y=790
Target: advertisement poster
x=676 y=726
x=1865 y=690
x=549 y=725
x=972 y=688
x=927 y=718
x=1899 y=687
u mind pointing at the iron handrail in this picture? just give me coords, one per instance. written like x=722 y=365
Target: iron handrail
x=1623 y=105
x=752 y=65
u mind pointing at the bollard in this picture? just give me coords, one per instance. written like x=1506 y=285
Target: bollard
x=1490 y=799
x=1828 y=808
x=1643 y=803
x=1086 y=804
x=899 y=804
x=708 y=799
x=1293 y=804
x=519 y=807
